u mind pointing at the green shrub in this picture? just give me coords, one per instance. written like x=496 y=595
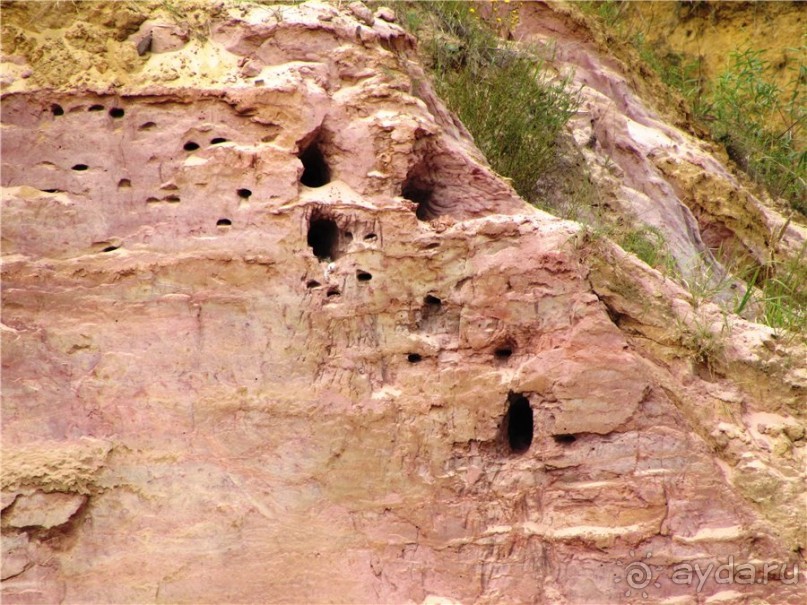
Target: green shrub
x=784 y=295
x=746 y=106
x=501 y=94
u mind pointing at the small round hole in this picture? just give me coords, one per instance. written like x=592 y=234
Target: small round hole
x=190 y=146
x=503 y=352
x=333 y=292
x=363 y=276
x=312 y=284
x=80 y=167
x=124 y=183
x=96 y=107
x=244 y=193
x=223 y=222
x=414 y=358
x=564 y=438
x=56 y=109
x=432 y=300
x=116 y=112
x=218 y=141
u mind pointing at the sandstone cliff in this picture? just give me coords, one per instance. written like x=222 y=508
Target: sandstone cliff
x=273 y=331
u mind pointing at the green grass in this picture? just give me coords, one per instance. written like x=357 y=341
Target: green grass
x=783 y=295
x=707 y=345
x=650 y=245
x=501 y=94
x=761 y=126
x=745 y=106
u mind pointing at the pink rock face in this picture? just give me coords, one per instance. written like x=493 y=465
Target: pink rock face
x=287 y=338
x=45 y=510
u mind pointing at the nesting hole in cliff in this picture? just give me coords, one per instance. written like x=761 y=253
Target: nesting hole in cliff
x=503 y=352
x=172 y=199
x=312 y=283
x=370 y=237
x=315 y=169
x=333 y=292
x=57 y=109
x=244 y=193
x=146 y=125
x=519 y=423
x=431 y=313
x=110 y=248
x=414 y=358
x=363 y=276
x=116 y=112
x=218 y=141
x=123 y=183
x=191 y=146
x=564 y=438
x=80 y=167
x=323 y=237
x=95 y=107
x=223 y=222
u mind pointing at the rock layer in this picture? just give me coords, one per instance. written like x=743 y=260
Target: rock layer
x=275 y=332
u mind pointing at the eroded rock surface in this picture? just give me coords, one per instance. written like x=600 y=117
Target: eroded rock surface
x=278 y=334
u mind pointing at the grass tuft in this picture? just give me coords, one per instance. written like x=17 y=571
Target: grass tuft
x=502 y=94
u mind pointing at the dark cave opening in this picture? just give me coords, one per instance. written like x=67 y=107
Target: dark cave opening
x=316 y=172
x=519 y=422
x=418 y=187
x=323 y=237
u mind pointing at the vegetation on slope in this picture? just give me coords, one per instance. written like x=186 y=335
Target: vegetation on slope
x=517 y=114
x=762 y=127
x=501 y=93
